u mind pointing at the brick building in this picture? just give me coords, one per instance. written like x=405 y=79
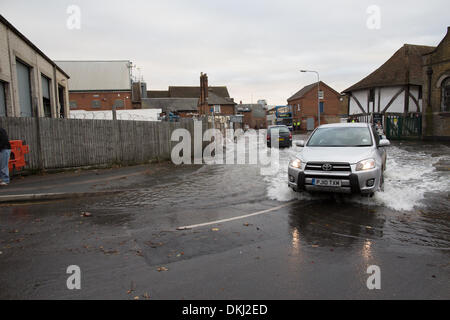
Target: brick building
x=102 y=85
x=254 y=115
x=214 y=97
x=31 y=84
x=436 y=91
x=183 y=107
x=304 y=105
x=181 y=98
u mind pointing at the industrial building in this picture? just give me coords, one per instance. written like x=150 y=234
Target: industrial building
x=31 y=84
x=102 y=85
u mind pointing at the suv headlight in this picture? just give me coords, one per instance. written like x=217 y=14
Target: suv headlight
x=296 y=163
x=365 y=165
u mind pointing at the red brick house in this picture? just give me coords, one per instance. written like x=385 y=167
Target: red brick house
x=217 y=97
x=305 y=106
x=207 y=97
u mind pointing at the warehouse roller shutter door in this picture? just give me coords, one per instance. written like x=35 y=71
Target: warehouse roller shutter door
x=24 y=86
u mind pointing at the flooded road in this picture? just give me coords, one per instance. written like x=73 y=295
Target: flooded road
x=251 y=237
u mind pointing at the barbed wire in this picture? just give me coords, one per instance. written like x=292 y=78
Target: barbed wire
x=107 y=115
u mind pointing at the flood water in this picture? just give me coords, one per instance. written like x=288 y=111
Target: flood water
x=298 y=246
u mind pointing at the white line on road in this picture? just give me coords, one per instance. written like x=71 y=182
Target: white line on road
x=235 y=218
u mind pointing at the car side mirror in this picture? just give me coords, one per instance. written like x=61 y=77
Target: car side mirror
x=300 y=143
x=384 y=143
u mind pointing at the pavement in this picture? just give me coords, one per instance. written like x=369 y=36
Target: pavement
x=85 y=183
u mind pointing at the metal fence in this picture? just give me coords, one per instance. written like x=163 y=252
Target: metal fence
x=64 y=143
x=404 y=127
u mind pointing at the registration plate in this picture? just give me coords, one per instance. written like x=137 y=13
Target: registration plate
x=326 y=182
x=281 y=139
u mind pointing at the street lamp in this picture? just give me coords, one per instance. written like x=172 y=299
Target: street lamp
x=318 y=93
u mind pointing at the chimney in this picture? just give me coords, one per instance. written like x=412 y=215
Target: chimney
x=206 y=89
x=203 y=91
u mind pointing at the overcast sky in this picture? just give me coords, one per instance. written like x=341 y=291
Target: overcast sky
x=255 y=48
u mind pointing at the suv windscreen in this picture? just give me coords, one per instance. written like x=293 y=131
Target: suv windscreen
x=341 y=137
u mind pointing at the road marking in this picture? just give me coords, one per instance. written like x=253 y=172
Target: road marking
x=235 y=218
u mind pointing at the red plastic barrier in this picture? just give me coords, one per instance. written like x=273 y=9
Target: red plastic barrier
x=18 y=152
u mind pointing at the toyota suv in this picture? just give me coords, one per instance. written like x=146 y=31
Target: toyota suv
x=342 y=157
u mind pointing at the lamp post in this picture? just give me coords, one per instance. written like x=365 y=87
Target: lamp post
x=318 y=92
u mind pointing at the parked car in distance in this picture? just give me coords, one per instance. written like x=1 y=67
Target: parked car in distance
x=282 y=132
x=341 y=157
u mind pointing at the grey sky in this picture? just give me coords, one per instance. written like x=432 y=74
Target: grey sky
x=256 y=48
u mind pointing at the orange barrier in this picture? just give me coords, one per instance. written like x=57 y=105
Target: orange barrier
x=18 y=152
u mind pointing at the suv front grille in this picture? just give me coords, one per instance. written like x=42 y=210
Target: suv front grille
x=328 y=166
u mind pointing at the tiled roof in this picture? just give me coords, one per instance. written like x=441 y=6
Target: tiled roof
x=171 y=104
x=157 y=94
x=404 y=67
x=194 y=92
x=308 y=88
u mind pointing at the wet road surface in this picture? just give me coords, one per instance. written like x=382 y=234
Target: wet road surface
x=296 y=246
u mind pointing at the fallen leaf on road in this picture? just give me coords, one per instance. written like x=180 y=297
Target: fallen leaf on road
x=160 y=269
x=107 y=252
x=154 y=245
x=132 y=287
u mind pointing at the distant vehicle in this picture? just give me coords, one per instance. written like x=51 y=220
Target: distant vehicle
x=171 y=117
x=283 y=116
x=341 y=157
x=283 y=133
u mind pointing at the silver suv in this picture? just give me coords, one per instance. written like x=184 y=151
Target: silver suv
x=341 y=157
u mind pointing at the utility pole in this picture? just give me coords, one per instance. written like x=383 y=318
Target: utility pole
x=318 y=93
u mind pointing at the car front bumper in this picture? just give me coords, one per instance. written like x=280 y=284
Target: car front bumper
x=351 y=182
